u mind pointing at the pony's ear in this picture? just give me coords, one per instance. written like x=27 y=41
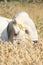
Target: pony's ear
x=14 y=21
x=10 y=31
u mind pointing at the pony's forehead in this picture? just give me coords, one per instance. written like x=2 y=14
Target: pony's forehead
x=20 y=26
x=17 y=25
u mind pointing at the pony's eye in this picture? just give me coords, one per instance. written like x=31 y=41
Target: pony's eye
x=26 y=31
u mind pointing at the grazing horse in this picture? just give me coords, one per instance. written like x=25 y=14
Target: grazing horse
x=26 y=24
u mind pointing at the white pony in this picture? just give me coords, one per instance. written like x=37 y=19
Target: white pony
x=26 y=25
x=17 y=27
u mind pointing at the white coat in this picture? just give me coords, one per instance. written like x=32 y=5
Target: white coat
x=23 y=19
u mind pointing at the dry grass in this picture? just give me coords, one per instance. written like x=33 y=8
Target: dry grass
x=24 y=53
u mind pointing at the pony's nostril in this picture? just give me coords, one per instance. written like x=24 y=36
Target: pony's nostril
x=35 y=41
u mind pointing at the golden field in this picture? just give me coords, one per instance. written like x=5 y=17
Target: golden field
x=23 y=53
